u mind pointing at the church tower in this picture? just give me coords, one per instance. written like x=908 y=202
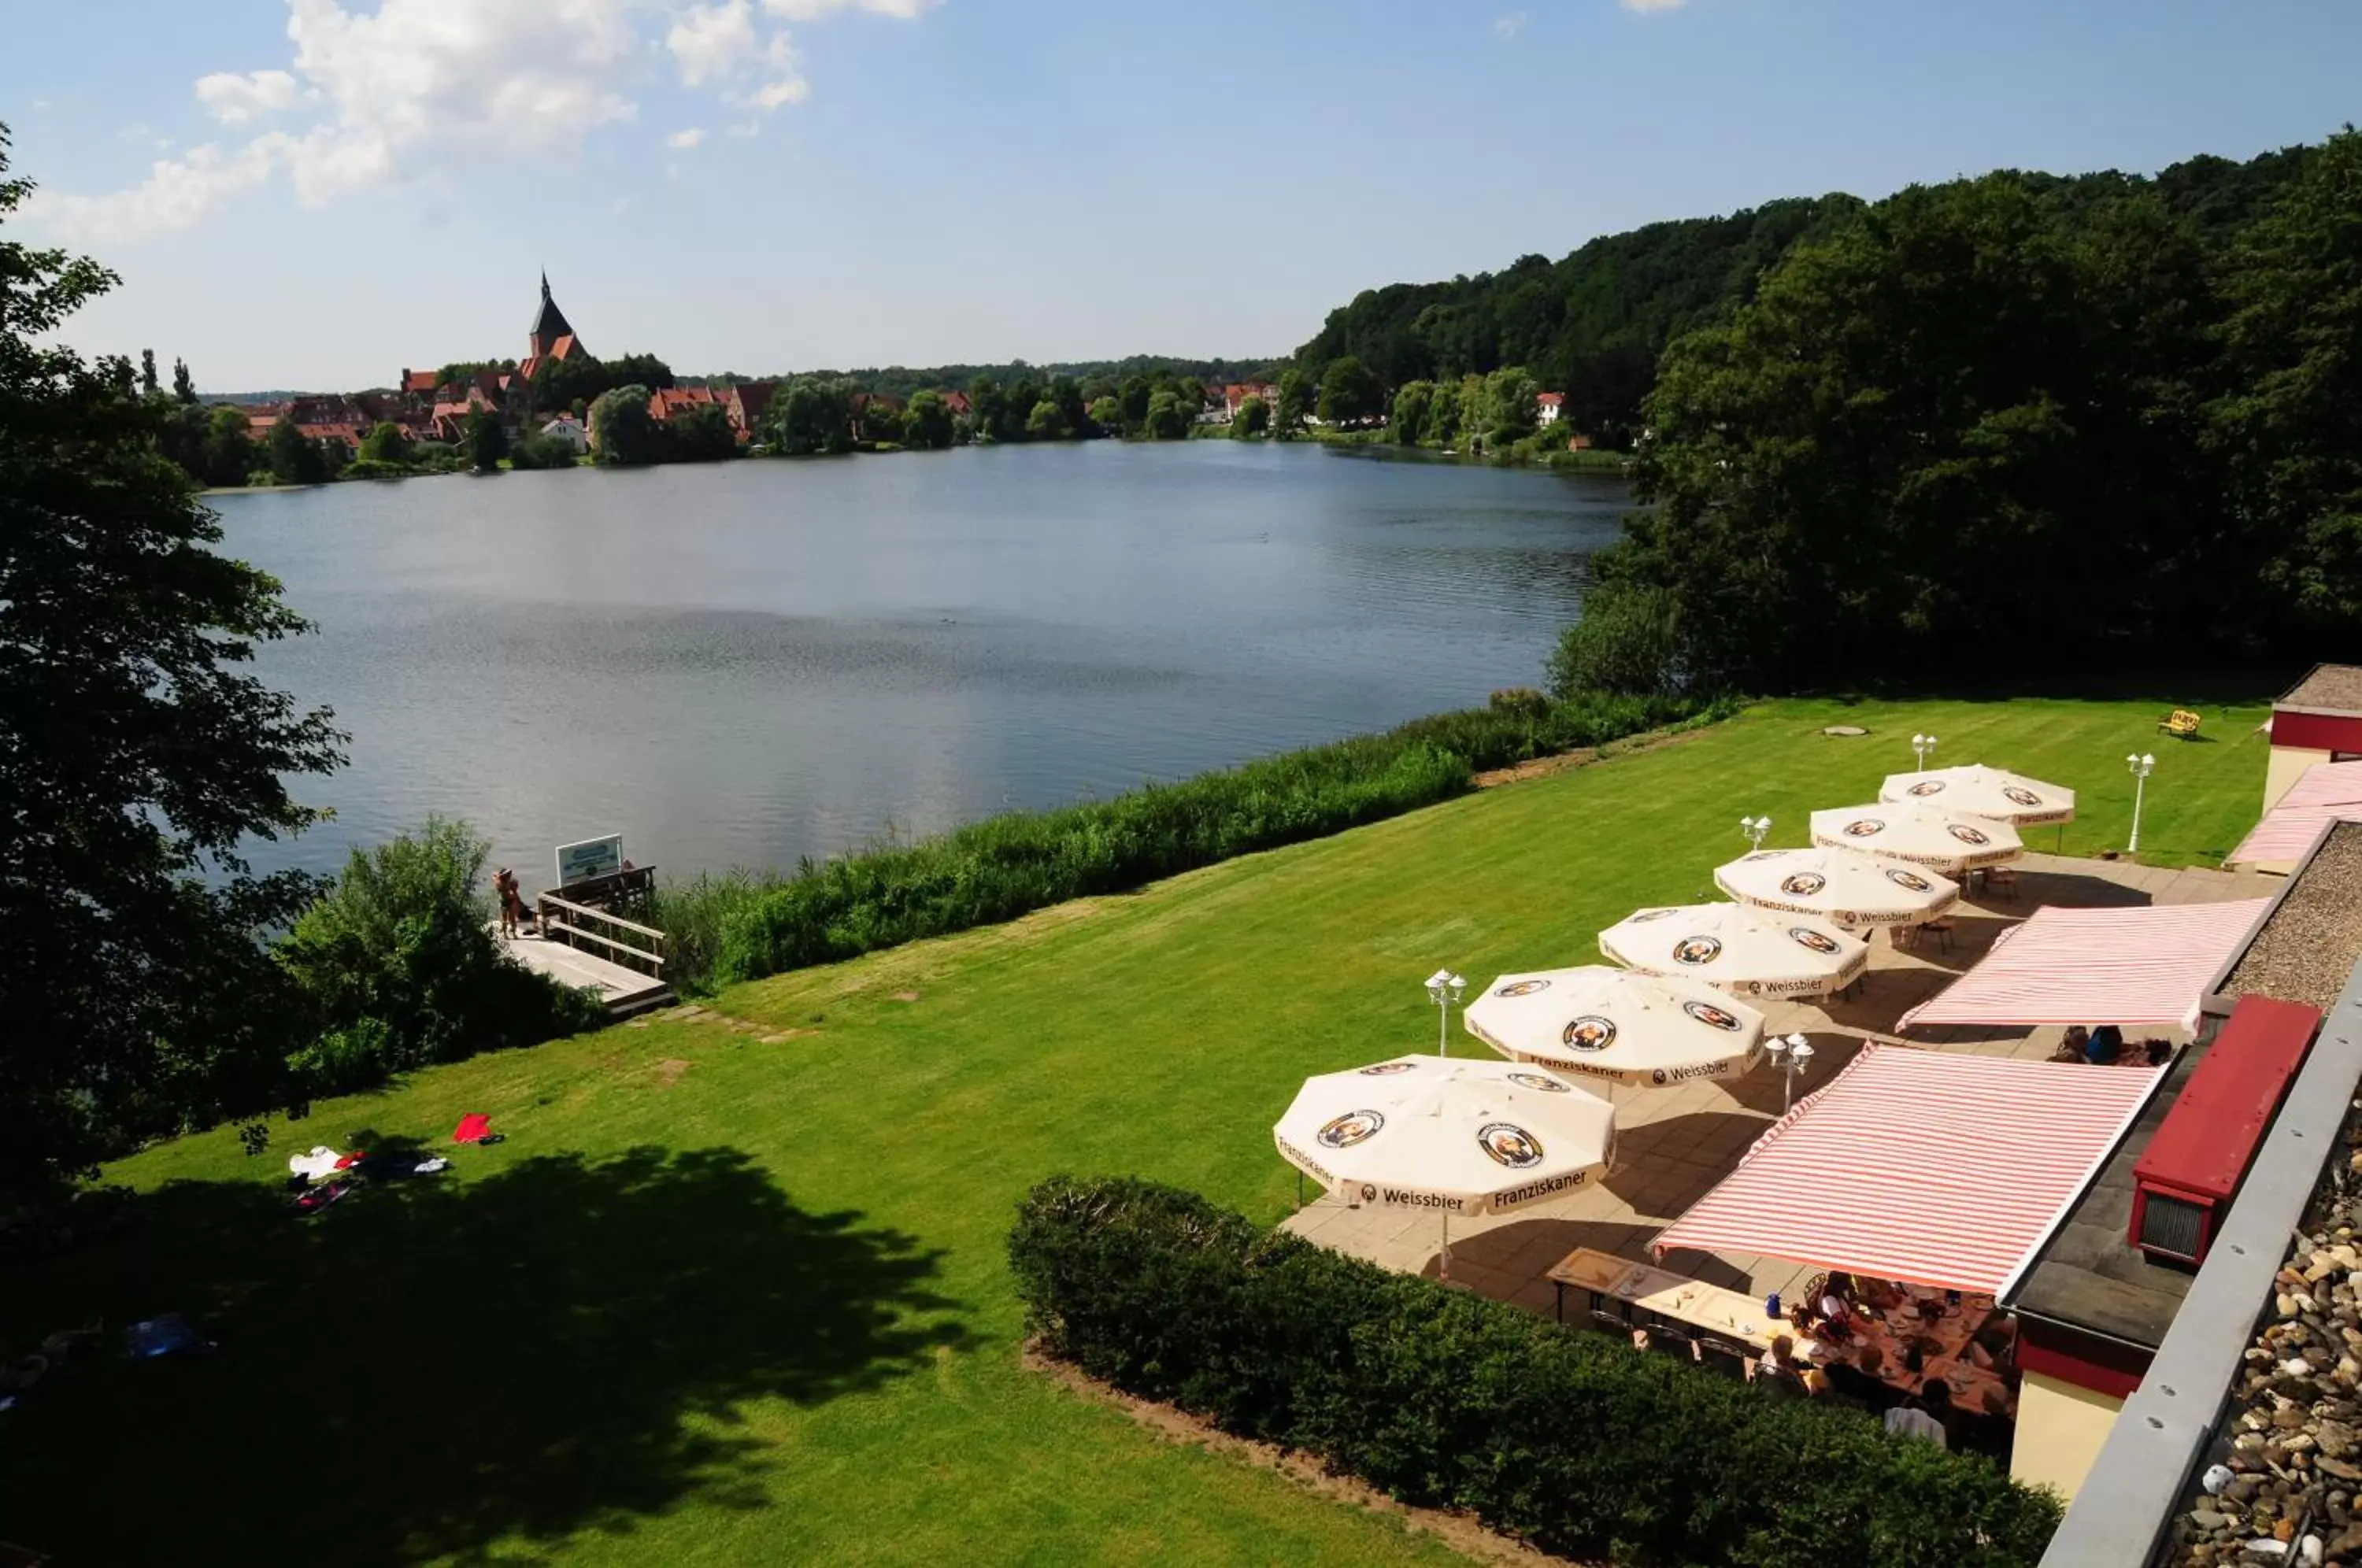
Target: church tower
x=552 y=336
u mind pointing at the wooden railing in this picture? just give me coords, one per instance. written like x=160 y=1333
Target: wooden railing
x=563 y=920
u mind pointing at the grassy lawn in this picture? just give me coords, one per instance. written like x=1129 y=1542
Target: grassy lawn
x=718 y=1301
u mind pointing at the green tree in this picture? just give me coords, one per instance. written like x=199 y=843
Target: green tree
x=183 y=389
x=137 y=755
x=1134 y=400
x=385 y=443
x=541 y=451
x=228 y=454
x=1046 y=422
x=1350 y=395
x=2292 y=429
x=1254 y=419
x=987 y=412
x=148 y=385
x=1406 y=421
x=292 y=459
x=1167 y=419
x=487 y=442
x=1107 y=413
x=1288 y=418
x=927 y=422
x=1511 y=410
x=622 y=432
x=1442 y=415
x=812 y=415
x=703 y=435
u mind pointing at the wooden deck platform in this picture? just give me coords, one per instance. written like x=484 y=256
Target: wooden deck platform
x=625 y=990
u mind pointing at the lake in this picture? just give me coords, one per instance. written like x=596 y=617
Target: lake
x=749 y=662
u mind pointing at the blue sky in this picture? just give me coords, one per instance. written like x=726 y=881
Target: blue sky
x=317 y=192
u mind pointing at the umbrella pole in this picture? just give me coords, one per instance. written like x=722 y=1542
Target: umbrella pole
x=1445 y=1273
x=1299 y=1189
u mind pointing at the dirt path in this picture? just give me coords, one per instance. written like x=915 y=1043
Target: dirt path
x=1584 y=757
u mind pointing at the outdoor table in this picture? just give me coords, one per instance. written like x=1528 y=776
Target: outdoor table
x=1726 y=1313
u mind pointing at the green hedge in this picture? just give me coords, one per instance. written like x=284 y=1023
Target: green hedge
x=1010 y=865
x=1564 y=1438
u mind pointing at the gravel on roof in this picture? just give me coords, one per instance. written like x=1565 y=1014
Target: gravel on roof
x=2333 y=686
x=2310 y=944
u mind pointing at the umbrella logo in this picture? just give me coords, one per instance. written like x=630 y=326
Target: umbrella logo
x=1697 y=950
x=1803 y=884
x=1369 y=1193
x=1966 y=833
x=1509 y=1144
x=1864 y=827
x=1648 y=915
x=1929 y=787
x=1659 y=1078
x=1712 y=1016
x=1353 y=1127
x=2018 y=796
x=1589 y=1033
x=1522 y=988
x=1541 y=1081
x=1818 y=941
x=1911 y=879
x=1386 y=1069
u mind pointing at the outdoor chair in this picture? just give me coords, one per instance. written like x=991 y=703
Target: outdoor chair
x=1671 y=1341
x=1610 y=1322
x=1940 y=929
x=2181 y=723
x=1720 y=1356
x=2000 y=881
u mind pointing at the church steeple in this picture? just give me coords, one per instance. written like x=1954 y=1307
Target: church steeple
x=550 y=323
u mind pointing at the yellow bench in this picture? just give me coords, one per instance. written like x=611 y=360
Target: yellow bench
x=2181 y=721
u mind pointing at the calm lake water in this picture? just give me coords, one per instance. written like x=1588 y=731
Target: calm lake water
x=744 y=664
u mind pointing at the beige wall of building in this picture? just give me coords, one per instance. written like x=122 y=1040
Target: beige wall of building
x=2060 y=1430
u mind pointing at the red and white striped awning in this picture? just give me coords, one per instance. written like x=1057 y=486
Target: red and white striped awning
x=1944 y=1171
x=2139 y=969
x=2327 y=791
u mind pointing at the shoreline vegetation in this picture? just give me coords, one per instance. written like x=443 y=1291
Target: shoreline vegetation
x=743 y=923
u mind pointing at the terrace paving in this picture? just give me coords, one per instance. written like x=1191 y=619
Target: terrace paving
x=1674 y=1145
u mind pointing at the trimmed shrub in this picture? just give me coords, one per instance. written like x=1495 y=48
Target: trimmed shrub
x=1562 y=1436
x=1629 y=639
x=1010 y=865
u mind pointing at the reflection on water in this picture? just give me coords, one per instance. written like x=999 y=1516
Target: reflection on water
x=749 y=663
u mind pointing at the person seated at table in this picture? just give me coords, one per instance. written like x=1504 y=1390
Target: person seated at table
x=2106 y=1044
x=2155 y=1053
x=1778 y=1369
x=1863 y=1379
x=1878 y=1295
x=1994 y=1345
x=2074 y=1046
x=1922 y=1416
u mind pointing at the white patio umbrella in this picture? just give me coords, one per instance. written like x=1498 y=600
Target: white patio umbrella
x=1980 y=791
x=1455 y=1136
x=1947 y=841
x=1745 y=951
x=1655 y=1031
x=1846 y=887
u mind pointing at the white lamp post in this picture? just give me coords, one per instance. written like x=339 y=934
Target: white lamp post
x=1791 y=1055
x=2140 y=763
x=1755 y=828
x=1920 y=746
x=1443 y=988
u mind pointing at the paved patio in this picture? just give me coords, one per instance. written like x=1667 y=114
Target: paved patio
x=1675 y=1144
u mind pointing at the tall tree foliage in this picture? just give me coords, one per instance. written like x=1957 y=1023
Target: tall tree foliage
x=136 y=754
x=1996 y=421
x=2292 y=429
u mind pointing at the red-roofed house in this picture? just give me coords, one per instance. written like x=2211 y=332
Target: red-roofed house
x=957 y=402
x=1237 y=393
x=418 y=383
x=1547 y=406
x=745 y=404
x=880 y=406
x=341 y=434
x=666 y=402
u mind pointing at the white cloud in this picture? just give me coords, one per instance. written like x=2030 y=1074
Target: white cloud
x=1645 y=7
x=1510 y=26
x=234 y=100
x=178 y=193
x=822 y=10
x=709 y=42
x=419 y=88
x=685 y=139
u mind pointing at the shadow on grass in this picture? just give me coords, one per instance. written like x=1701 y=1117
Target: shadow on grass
x=432 y=1365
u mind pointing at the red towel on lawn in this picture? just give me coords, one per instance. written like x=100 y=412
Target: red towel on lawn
x=345 y=1162
x=473 y=1127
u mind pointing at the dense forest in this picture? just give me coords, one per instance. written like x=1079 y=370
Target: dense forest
x=2005 y=425
x=1593 y=324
